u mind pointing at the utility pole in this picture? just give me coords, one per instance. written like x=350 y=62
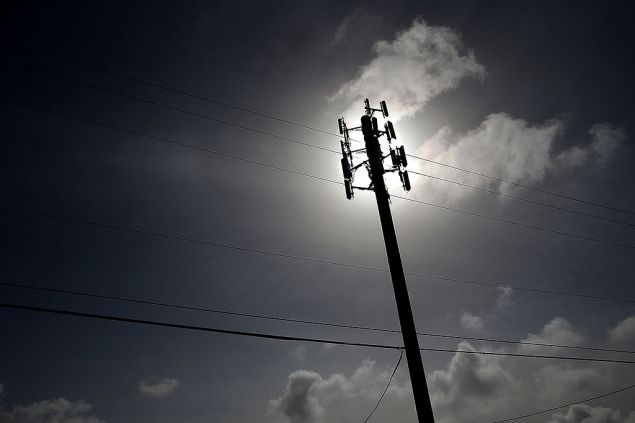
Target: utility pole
x=375 y=167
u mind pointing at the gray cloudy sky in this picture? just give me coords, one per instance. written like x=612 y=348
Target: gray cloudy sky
x=535 y=93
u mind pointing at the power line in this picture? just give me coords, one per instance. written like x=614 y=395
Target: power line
x=188 y=94
x=307 y=259
x=543 y=356
x=318 y=340
x=289 y=122
x=386 y=389
x=519 y=224
x=162 y=140
x=544 y=191
x=439 y=163
x=502 y=194
x=181 y=110
x=263 y=335
x=299 y=321
x=535 y=413
x=169 y=141
x=193 y=327
x=310 y=145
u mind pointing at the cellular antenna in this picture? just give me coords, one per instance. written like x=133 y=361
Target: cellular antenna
x=371 y=125
x=374 y=165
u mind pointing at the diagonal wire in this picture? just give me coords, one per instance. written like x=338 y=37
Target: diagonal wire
x=181 y=144
x=386 y=389
x=518 y=184
x=192 y=327
x=519 y=224
x=188 y=94
x=539 y=203
x=310 y=145
x=298 y=321
x=181 y=110
x=160 y=139
x=535 y=413
x=308 y=259
x=263 y=335
x=289 y=122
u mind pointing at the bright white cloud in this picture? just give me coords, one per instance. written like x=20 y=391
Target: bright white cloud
x=507 y=148
x=58 y=410
x=502 y=147
x=582 y=413
x=159 y=389
x=623 y=332
x=472 y=322
x=421 y=62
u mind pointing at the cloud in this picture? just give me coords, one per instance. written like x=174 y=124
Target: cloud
x=468 y=388
x=341 y=31
x=311 y=398
x=58 y=410
x=623 y=332
x=421 y=62
x=557 y=331
x=356 y=19
x=606 y=141
x=472 y=322
x=160 y=389
x=558 y=381
x=504 y=300
x=298 y=353
x=477 y=322
x=582 y=413
x=471 y=386
x=507 y=148
x=299 y=403
x=502 y=147
x=328 y=347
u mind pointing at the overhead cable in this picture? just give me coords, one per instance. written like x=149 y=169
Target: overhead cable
x=535 y=413
x=278 y=337
x=298 y=321
x=181 y=144
x=315 y=146
x=309 y=127
x=304 y=258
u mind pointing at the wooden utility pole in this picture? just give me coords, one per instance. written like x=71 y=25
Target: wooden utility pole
x=375 y=166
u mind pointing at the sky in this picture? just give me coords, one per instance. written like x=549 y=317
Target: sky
x=535 y=93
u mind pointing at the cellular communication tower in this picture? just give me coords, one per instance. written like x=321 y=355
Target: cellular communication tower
x=374 y=164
